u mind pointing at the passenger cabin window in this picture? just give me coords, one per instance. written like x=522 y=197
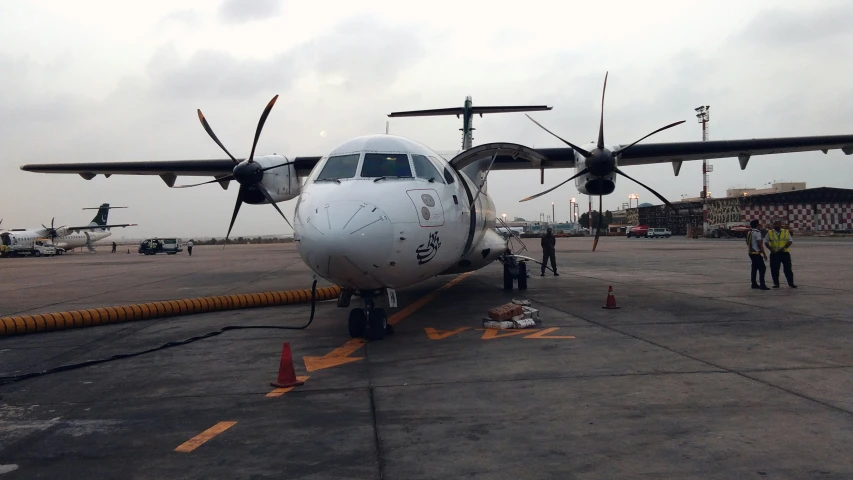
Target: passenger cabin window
x=424 y=168
x=339 y=166
x=386 y=165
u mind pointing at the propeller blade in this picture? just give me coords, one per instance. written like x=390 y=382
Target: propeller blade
x=276 y=166
x=272 y=202
x=620 y=172
x=261 y=126
x=622 y=150
x=577 y=148
x=600 y=219
x=217 y=180
x=582 y=172
x=213 y=135
x=601 y=125
x=236 y=209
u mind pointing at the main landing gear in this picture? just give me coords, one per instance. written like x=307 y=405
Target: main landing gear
x=515 y=270
x=370 y=323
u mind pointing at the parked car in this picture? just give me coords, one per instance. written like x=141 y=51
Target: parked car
x=153 y=246
x=659 y=232
x=637 y=231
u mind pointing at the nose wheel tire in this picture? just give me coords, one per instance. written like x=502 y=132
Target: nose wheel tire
x=377 y=324
x=357 y=322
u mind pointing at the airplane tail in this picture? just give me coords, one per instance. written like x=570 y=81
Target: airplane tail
x=102 y=215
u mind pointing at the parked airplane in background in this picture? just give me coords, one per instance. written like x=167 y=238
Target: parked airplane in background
x=382 y=212
x=65 y=238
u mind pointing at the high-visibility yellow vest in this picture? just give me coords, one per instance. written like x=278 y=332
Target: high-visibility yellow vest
x=778 y=240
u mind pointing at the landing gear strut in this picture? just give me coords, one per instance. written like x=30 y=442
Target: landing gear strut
x=369 y=322
x=515 y=270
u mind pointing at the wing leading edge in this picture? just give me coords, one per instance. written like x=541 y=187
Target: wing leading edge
x=641 y=154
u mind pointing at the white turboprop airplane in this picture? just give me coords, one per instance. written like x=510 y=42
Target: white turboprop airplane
x=63 y=237
x=382 y=212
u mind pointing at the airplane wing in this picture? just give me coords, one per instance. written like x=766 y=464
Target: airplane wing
x=650 y=153
x=168 y=170
x=540 y=158
x=100 y=227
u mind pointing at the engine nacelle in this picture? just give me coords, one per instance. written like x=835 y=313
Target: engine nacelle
x=282 y=182
x=591 y=185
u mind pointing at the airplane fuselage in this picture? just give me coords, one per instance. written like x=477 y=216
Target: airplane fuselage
x=364 y=229
x=65 y=240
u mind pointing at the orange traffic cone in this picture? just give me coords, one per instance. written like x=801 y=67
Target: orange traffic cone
x=286 y=374
x=611 y=300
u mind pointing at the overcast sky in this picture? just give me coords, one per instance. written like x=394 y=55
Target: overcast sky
x=107 y=81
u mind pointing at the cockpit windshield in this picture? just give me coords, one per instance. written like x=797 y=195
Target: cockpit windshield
x=386 y=165
x=339 y=166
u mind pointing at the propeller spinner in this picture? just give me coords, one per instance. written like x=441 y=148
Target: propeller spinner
x=247 y=173
x=601 y=162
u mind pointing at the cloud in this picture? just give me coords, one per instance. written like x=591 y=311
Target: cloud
x=188 y=18
x=782 y=28
x=216 y=74
x=363 y=52
x=243 y=11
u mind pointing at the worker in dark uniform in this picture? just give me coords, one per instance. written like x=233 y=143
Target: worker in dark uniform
x=778 y=241
x=757 y=255
x=114 y=247
x=549 y=251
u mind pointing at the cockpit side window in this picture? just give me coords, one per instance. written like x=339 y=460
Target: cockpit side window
x=386 y=165
x=424 y=168
x=339 y=166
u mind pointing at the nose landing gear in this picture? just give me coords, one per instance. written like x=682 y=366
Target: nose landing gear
x=370 y=323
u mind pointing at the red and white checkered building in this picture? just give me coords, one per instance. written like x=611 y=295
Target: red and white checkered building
x=821 y=209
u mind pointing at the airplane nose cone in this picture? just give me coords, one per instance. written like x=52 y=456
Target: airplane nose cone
x=347 y=242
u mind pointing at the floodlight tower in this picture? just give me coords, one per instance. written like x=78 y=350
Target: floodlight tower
x=703 y=115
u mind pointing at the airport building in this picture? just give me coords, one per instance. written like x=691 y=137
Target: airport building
x=803 y=209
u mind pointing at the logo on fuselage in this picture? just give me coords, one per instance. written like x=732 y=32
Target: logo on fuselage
x=427 y=251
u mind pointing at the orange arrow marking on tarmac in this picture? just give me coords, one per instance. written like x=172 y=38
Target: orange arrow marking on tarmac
x=338 y=356
x=492 y=333
x=434 y=334
x=546 y=332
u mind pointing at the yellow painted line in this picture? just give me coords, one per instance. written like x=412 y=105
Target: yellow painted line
x=204 y=436
x=434 y=334
x=341 y=355
x=397 y=317
x=338 y=356
x=281 y=391
x=492 y=333
x=546 y=332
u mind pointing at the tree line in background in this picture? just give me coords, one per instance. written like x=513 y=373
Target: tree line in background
x=243 y=240
x=584 y=219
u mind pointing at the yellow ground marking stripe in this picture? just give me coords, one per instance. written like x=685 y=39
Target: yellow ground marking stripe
x=397 y=317
x=434 y=334
x=341 y=355
x=338 y=356
x=492 y=333
x=204 y=436
x=281 y=391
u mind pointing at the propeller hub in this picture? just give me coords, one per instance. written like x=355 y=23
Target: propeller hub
x=601 y=162
x=248 y=174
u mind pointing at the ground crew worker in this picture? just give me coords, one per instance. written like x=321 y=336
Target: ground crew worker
x=549 y=251
x=778 y=241
x=757 y=255
x=114 y=247
x=190 y=247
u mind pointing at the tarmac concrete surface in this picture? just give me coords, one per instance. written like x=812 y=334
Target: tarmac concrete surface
x=695 y=376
